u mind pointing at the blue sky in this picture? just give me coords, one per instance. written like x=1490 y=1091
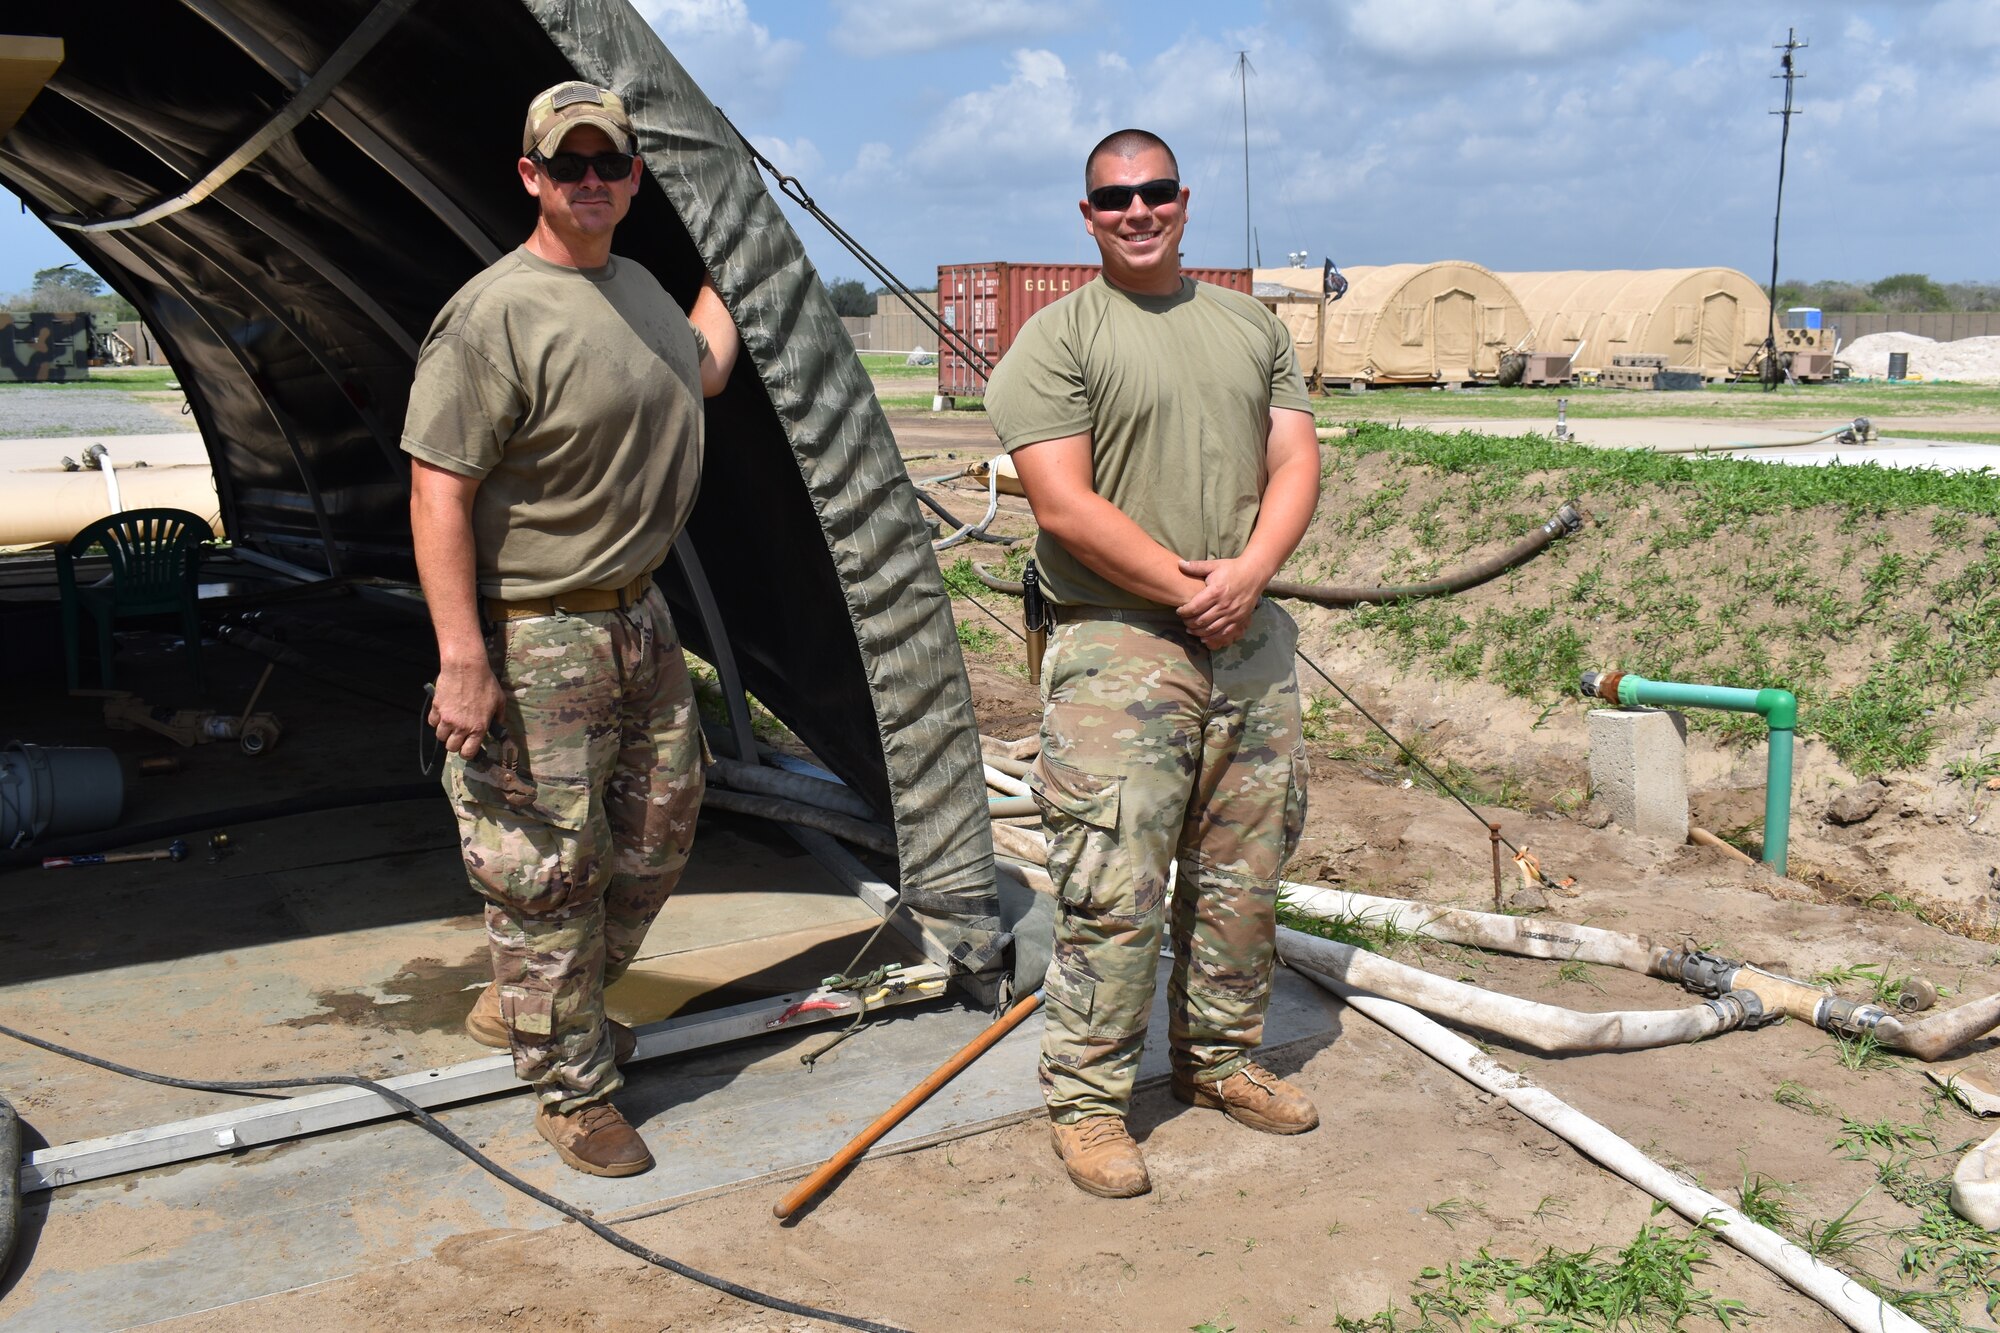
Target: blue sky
x=1518 y=134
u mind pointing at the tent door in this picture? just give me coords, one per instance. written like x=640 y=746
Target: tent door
x=1718 y=333
x=1455 y=333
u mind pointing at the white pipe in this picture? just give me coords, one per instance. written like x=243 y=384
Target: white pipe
x=1005 y=782
x=835 y=796
x=1529 y=937
x=110 y=480
x=1851 y=1303
x=1539 y=1027
x=1012 y=807
x=992 y=508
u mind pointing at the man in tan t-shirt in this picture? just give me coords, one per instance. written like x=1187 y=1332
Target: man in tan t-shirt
x=555 y=428
x=1162 y=433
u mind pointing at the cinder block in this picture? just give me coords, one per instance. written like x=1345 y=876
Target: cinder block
x=1638 y=768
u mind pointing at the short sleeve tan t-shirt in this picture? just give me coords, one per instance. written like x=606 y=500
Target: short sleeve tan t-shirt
x=1176 y=392
x=574 y=395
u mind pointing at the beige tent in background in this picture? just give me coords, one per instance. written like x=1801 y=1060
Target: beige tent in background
x=1710 y=319
x=1443 y=323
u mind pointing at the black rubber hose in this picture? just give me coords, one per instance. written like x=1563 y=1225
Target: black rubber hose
x=437 y=1130
x=1567 y=520
x=10 y=1182
x=341 y=798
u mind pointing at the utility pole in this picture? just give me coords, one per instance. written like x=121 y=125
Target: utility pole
x=1243 y=73
x=1789 y=72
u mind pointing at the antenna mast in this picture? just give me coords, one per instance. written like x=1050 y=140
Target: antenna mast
x=1243 y=72
x=1773 y=374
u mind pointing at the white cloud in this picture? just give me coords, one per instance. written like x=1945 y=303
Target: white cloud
x=1430 y=33
x=905 y=27
x=1031 y=118
x=735 y=59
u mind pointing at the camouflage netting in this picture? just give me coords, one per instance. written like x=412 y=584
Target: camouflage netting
x=291 y=302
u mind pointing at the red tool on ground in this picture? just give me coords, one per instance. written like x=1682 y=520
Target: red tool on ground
x=176 y=850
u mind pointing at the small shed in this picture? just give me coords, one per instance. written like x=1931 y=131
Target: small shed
x=1707 y=319
x=1441 y=323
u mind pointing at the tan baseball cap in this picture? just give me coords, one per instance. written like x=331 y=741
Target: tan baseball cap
x=557 y=111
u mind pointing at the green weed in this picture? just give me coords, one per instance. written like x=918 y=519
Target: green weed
x=1763 y=1201
x=977 y=638
x=1798 y=1098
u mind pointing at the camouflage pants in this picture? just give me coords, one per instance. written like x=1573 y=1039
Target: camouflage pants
x=578 y=828
x=1156 y=750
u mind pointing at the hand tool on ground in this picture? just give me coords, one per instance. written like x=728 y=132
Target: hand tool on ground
x=176 y=850
x=911 y=1100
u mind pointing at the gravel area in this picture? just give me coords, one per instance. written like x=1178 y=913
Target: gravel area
x=28 y=411
x=1969 y=360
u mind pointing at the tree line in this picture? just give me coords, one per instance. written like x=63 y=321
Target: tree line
x=1899 y=292
x=68 y=289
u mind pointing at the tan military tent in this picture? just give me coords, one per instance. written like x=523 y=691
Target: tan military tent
x=1447 y=322
x=1707 y=319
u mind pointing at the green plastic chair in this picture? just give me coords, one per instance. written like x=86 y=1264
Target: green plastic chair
x=155 y=555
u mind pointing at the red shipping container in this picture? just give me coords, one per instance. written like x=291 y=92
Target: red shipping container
x=986 y=304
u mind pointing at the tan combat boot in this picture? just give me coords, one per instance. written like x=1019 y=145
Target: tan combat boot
x=487 y=1026
x=1253 y=1096
x=1101 y=1157
x=595 y=1138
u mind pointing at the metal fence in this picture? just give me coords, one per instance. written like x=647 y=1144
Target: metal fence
x=1940 y=326
x=892 y=328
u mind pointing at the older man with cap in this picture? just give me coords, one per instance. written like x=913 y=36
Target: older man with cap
x=555 y=428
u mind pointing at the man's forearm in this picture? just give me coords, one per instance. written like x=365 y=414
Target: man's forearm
x=441 y=535
x=1112 y=546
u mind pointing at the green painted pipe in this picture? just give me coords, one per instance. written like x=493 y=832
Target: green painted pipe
x=1778 y=708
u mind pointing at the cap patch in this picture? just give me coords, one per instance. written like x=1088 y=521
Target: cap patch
x=574 y=93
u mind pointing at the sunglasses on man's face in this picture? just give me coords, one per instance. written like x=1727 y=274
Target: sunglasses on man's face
x=1118 y=198
x=569 y=168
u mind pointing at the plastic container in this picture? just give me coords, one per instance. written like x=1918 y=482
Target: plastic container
x=53 y=791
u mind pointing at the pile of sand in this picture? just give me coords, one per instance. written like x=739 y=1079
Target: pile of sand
x=1970 y=360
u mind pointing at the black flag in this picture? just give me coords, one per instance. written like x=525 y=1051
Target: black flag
x=1336 y=281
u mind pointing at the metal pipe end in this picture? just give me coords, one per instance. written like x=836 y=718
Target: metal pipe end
x=1600 y=685
x=1570 y=517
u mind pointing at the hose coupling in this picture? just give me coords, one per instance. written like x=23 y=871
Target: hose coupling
x=1568 y=519
x=1702 y=972
x=1741 y=1009
x=1851 y=1017
x=1600 y=685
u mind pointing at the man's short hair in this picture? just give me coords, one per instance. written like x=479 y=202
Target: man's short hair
x=1126 y=144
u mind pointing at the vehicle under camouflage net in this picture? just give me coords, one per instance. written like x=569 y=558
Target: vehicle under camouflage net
x=44 y=348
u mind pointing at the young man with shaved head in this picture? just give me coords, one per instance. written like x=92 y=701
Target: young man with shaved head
x=1163 y=436
x=556 y=431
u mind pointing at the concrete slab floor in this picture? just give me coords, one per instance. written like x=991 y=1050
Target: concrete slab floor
x=115 y=1253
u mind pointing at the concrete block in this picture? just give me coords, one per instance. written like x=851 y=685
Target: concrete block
x=1638 y=768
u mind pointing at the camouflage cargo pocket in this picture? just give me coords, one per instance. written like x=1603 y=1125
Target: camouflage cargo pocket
x=1295 y=804
x=562 y=803
x=1073 y=804
x=528 y=1011
x=527 y=845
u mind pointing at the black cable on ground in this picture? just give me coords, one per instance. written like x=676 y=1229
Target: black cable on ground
x=341 y=798
x=437 y=1129
x=1411 y=755
x=989 y=611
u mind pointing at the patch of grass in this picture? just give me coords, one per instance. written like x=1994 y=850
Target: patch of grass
x=1650 y=1284
x=1575 y=972
x=131 y=379
x=1857 y=1138
x=976 y=638
x=1373 y=932
x=1840 y=1237
x=1799 y=1098
x=1764 y=1201
x=1861 y=1052
x=1770 y=620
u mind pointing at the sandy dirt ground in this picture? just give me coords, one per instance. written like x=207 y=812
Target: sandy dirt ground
x=1412 y=1168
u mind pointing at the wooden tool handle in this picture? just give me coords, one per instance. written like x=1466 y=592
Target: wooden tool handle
x=911 y=1100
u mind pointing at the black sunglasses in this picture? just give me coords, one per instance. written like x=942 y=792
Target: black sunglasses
x=569 y=167
x=1118 y=198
